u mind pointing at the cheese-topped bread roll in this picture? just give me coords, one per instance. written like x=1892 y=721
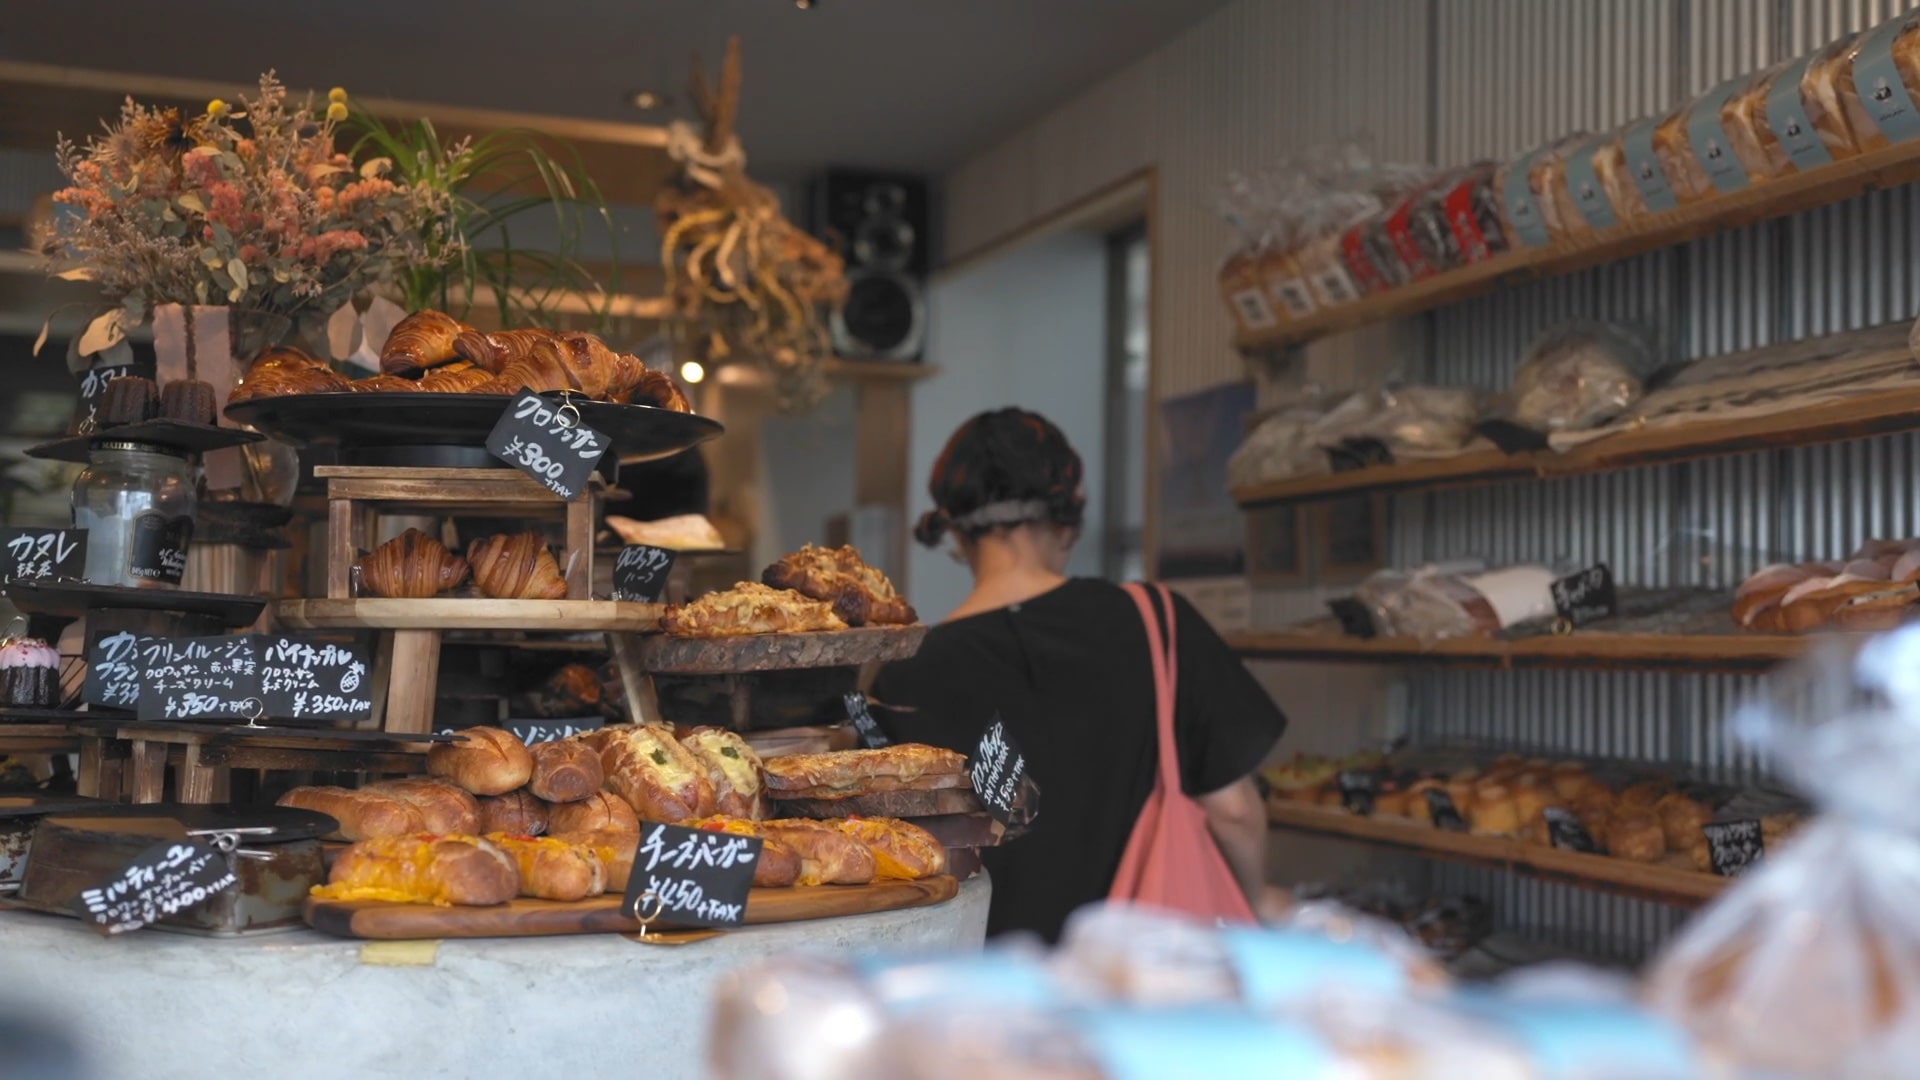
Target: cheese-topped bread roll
x=733 y=769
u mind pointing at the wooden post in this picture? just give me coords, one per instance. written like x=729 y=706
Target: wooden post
x=341 y=538
x=148 y=771
x=412 y=677
x=199 y=783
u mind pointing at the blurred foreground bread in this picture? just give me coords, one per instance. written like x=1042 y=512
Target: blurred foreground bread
x=484 y=760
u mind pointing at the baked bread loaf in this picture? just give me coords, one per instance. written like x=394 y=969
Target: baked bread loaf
x=1418 y=806
x=458 y=377
x=420 y=341
x=1570 y=780
x=1673 y=146
x=360 y=815
x=750 y=608
x=552 y=868
x=1743 y=116
x=516 y=567
x=614 y=848
x=1881 y=609
x=827 y=855
x=860 y=595
x=1821 y=84
x=445 y=810
x=1764 y=590
x=1681 y=819
x=485 y=761
x=603 y=811
x=778 y=867
x=901 y=851
x=1906 y=60
x=732 y=768
x=1636 y=835
x=384 y=384
x=565 y=771
x=659 y=778
x=906 y=767
x=418 y=869
x=412 y=566
x=517 y=813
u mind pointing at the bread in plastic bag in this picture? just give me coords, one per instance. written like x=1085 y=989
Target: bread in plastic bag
x=1743 y=116
x=1904 y=30
x=1576 y=376
x=1809 y=965
x=1425 y=420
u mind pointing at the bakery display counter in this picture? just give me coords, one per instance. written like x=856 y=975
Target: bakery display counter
x=585 y=1006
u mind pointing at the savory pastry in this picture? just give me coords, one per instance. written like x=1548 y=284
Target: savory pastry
x=778 y=867
x=189 y=401
x=750 y=608
x=565 y=771
x=1494 y=812
x=1681 y=820
x=384 y=384
x=1460 y=789
x=827 y=855
x=688 y=532
x=906 y=767
x=359 y=815
x=553 y=869
x=516 y=567
x=603 y=811
x=901 y=851
x=1636 y=836
x=484 y=760
x=1644 y=795
x=417 y=869
x=1811 y=604
x=659 y=778
x=1882 y=609
x=29 y=674
x=1530 y=797
x=517 y=813
x=614 y=848
x=420 y=341
x=733 y=769
x=657 y=388
x=572 y=690
x=412 y=566
x=1570 y=780
x=860 y=595
x=444 y=809
x=458 y=377
x=286 y=370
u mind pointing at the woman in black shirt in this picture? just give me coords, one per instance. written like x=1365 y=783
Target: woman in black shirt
x=1064 y=662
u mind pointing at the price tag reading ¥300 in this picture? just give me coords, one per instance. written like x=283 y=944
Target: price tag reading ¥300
x=549 y=443
x=691 y=877
x=164 y=879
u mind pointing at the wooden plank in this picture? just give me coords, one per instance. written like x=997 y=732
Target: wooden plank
x=412 y=681
x=460 y=613
x=1584 y=649
x=779 y=652
x=602 y=914
x=1884 y=168
x=342 y=538
x=1667 y=882
x=147 y=771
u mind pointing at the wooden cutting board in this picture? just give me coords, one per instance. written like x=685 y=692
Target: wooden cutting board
x=381 y=920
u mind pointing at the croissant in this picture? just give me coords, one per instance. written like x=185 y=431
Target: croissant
x=543 y=367
x=284 y=370
x=375 y=384
x=516 y=567
x=459 y=377
x=502 y=347
x=411 y=566
x=422 y=340
x=595 y=366
x=659 y=390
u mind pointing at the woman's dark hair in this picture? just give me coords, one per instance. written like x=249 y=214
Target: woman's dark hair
x=1002 y=458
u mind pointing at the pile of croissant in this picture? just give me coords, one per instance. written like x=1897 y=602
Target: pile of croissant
x=432 y=352
x=415 y=566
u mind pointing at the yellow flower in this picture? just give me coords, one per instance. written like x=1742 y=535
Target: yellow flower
x=216 y=107
x=336 y=112
x=337 y=95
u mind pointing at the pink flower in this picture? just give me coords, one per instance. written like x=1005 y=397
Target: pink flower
x=250 y=253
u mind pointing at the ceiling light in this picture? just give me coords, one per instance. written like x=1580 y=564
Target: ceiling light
x=646 y=100
x=692 y=371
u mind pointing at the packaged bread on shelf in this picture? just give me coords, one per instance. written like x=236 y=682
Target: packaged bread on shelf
x=1743 y=117
x=1674 y=149
x=1804 y=110
x=1546 y=178
x=1880 y=78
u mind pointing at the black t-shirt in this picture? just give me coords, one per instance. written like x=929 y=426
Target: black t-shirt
x=1069 y=673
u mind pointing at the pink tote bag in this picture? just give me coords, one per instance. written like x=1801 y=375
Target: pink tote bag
x=1171 y=859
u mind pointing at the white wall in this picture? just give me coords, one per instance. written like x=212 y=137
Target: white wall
x=1027 y=328
x=808 y=465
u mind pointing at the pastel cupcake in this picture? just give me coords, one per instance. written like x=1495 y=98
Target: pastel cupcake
x=29 y=674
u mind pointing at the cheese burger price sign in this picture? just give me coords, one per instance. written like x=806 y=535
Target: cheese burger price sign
x=691 y=877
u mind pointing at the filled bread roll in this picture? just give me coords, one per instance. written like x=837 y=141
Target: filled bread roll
x=658 y=777
x=553 y=869
x=417 y=869
x=565 y=771
x=485 y=761
x=517 y=813
x=360 y=815
x=614 y=849
x=827 y=855
x=779 y=865
x=603 y=811
x=901 y=851
x=732 y=768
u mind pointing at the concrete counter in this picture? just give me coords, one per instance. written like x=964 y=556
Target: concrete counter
x=158 y=1006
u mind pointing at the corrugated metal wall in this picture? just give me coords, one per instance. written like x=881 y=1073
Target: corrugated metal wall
x=1454 y=81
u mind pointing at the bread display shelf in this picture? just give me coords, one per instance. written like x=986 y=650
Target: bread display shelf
x=1870 y=414
x=602 y=915
x=1588 y=649
x=779 y=652
x=1664 y=882
x=1885 y=168
x=445 y=613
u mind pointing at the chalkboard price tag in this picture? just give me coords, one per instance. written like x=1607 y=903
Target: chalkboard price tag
x=1357 y=789
x=165 y=879
x=1355 y=617
x=1733 y=846
x=200 y=678
x=548 y=442
x=113 y=669
x=43 y=554
x=1445 y=815
x=1567 y=833
x=159 y=548
x=864 y=725
x=640 y=573
x=691 y=877
x=306 y=680
x=539 y=731
x=1586 y=596
x=93 y=384
x=998 y=770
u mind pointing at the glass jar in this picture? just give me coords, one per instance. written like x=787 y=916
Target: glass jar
x=136 y=502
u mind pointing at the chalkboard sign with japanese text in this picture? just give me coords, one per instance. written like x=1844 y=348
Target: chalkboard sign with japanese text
x=113 y=669
x=1586 y=596
x=107 y=366
x=164 y=879
x=1733 y=846
x=864 y=725
x=998 y=770
x=1445 y=815
x=539 y=731
x=640 y=573
x=1357 y=790
x=548 y=442
x=691 y=877
x=200 y=678
x=313 y=680
x=43 y=554
x=1566 y=832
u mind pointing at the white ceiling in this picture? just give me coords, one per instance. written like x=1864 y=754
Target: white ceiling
x=915 y=85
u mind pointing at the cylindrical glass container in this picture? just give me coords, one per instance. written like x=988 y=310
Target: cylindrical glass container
x=136 y=502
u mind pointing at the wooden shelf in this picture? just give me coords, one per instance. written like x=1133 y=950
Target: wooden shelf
x=879 y=370
x=1666 y=882
x=452 y=613
x=1884 y=168
x=1584 y=649
x=1875 y=413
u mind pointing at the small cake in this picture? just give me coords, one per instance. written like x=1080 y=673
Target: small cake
x=189 y=401
x=29 y=674
x=128 y=400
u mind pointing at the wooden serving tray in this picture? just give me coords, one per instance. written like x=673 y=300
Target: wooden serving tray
x=381 y=920
x=478 y=613
x=668 y=655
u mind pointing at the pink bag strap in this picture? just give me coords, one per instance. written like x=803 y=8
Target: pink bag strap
x=1165 y=676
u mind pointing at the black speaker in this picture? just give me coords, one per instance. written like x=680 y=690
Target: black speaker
x=879 y=223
